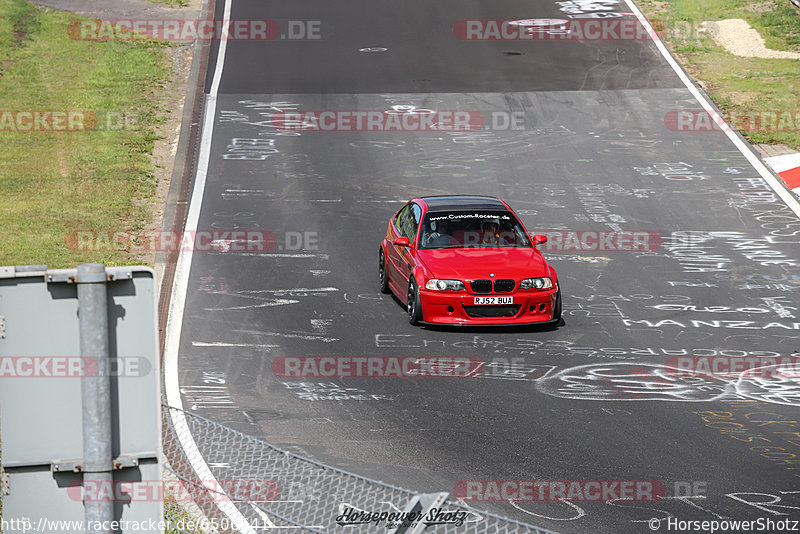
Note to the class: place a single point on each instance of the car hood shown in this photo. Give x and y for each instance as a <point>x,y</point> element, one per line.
<point>479,263</point>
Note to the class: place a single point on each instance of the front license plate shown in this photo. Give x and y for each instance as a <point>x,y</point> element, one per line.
<point>494,300</point>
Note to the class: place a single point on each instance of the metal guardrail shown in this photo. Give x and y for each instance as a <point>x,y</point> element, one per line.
<point>311,494</point>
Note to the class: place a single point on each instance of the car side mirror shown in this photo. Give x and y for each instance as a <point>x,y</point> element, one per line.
<point>402,242</point>
<point>538,239</point>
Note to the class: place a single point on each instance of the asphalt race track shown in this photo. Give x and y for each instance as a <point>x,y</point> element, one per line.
<point>589,400</point>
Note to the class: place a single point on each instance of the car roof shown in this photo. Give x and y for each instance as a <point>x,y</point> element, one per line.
<point>452,203</point>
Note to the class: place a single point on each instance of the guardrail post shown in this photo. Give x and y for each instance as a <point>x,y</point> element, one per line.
<point>96,399</point>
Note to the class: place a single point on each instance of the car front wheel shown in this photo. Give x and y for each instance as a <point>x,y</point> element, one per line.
<point>413,306</point>
<point>557,307</point>
<point>384,275</point>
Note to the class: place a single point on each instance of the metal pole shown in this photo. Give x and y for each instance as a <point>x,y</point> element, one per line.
<point>96,397</point>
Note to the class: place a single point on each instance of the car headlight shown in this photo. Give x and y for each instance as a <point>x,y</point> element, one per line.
<point>536,283</point>
<point>436,284</point>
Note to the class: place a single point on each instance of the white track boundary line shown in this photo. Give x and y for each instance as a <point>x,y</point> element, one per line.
<point>178,299</point>
<point>777,186</point>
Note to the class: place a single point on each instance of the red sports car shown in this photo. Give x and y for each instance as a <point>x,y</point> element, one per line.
<point>467,260</point>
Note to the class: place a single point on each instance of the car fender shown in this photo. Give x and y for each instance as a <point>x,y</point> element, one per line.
<point>421,274</point>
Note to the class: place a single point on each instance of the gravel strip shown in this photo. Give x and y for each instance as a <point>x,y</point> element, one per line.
<point>738,38</point>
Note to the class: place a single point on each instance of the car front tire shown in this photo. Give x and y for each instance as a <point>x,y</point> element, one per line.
<point>413,306</point>
<point>557,307</point>
<point>383,273</point>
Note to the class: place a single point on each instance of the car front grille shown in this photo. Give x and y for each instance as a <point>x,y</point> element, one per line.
<point>481,286</point>
<point>501,310</point>
<point>504,286</point>
<point>485,286</point>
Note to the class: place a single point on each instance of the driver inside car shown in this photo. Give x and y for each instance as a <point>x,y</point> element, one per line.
<point>438,235</point>
<point>491,234</point>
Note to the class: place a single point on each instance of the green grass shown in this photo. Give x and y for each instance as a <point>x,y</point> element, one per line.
<point>737,83</point>
<point>172,3</point>
<point>178,516</point>
<point>18,19</point>
<point>53,183</point>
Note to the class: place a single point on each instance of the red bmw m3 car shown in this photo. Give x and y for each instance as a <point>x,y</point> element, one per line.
<point>467,260</point>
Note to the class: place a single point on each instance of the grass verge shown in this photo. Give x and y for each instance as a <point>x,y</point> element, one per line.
<point>53,183</point>
<point>171,3</point>
<point>179,520</point>
<point>737,84</point>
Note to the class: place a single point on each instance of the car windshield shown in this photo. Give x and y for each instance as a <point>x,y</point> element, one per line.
<point>473,229</point>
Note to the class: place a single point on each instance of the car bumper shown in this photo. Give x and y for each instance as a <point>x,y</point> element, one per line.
<point>529,307</point>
